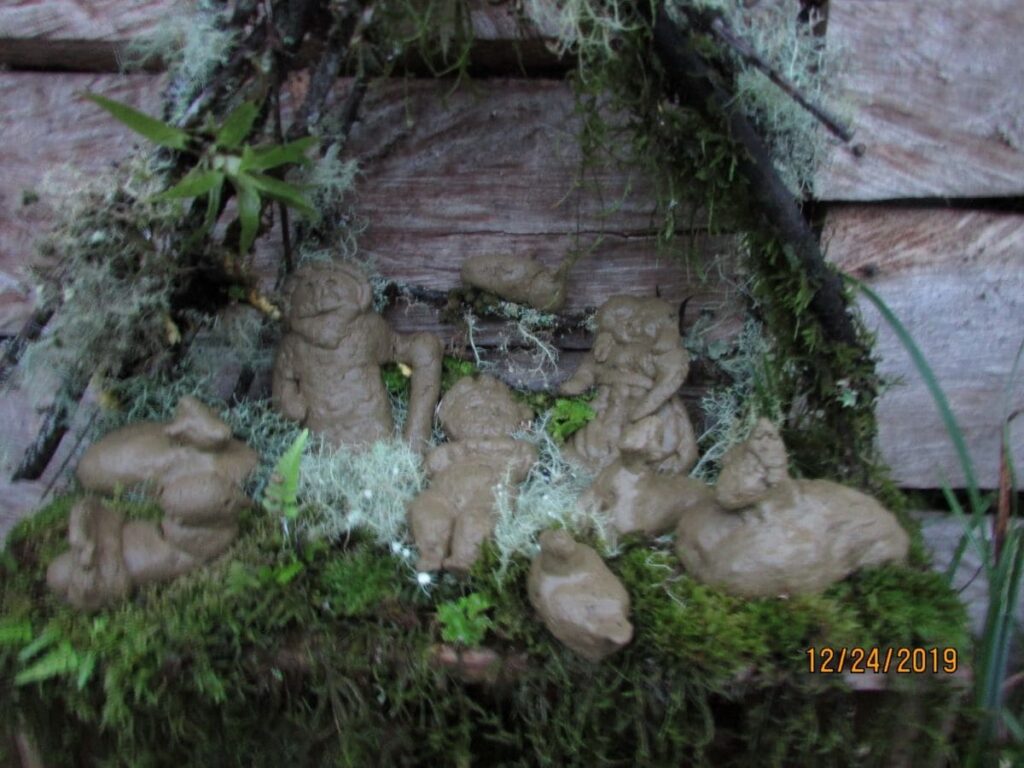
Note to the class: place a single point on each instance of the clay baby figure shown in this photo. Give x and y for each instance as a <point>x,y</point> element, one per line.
<point>522,280</point>
<point>765,534</point>
<point>638,365</point>
<point>327,369</point>
<point>579,599</point>
<point>456,514</point>
<point>192,467</point>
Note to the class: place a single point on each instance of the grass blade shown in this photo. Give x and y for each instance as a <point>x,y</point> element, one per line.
<point>155,130</point>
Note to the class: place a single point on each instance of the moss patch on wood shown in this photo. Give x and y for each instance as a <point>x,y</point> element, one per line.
<point>324,654</point>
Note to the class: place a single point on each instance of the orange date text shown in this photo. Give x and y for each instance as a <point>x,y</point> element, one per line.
<point>900,660</point>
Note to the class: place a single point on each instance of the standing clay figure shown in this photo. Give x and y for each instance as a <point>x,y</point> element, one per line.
<point>327,369</point>
<point>456,514</point>
<point>638,365</point>
<point>579,599</point>
<point>764,534</point>
<point>524,281</point>
<point>194,470</point>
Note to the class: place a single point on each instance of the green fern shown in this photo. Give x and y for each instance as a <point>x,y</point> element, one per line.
<point>464,621</point>
<point>281,495</point>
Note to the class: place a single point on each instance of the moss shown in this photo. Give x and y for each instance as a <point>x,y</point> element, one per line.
<point>329,663</point>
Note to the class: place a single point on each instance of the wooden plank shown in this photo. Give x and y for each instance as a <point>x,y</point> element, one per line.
<point>91,35</point>
<point>53,142</point>
<point>934,88</point>
<point>955,279</point>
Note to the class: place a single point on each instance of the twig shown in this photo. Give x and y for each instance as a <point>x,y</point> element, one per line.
<point>55,425</point>
<point>16,346</point>
<point>691,82</point>
<point>720,29</point>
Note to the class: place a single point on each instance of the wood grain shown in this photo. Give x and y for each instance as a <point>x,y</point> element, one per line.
<point>935,92</point>
<point>90,35</point>
<point>955,279</point>
<point>53,142</point>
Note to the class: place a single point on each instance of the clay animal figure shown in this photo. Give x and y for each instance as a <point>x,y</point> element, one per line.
<point>765,534</point>
<point>192,467</point>
<point>579,599</point>
<point>327,368</point>
<point>634,499</point>
<point>637,365</point>
<point>522,280</point>
<point>456,514</point>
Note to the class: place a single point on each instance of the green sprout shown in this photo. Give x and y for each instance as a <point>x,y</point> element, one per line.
<point>281,495</point>
<point>464,621</point>
<point>224,159</point>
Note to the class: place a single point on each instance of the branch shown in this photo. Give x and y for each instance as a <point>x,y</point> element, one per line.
<point>690,80</point>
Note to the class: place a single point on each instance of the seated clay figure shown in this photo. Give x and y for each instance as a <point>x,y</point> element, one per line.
<point>522,280</point>
<point>327,368</point>
<point>637,365</point>
<point>764,534</point>
<point>456,514</point>
<point>579,599</point>
<point>192,467</point>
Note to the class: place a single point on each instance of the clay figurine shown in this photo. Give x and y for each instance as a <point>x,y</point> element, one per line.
<point>327,369</point>
<point>579,599</point>
<point>638,365</point>
<point>456,514</point>
<point>765,534</point>
<point>192,467</point>
<point>522,280</point>
<point>631,498</point>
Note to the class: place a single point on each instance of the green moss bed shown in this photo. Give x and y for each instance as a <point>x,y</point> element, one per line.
<point>327,656</point>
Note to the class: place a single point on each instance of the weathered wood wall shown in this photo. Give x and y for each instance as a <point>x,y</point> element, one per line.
<point>932,87</point>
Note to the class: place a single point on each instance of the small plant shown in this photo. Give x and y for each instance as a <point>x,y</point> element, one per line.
<point>223,158</point>
<point>465,621</point>
<point>47,655</point>
<point>281,495</point>
<point>567,417</point>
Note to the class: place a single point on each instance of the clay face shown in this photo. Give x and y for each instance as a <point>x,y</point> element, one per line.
<point>637,365</point>
<point>579,599</point>
<point>193,468</point>
<point>765,534</point>
<point>327,369</point>
<point>522,280</point>
<point>455,515</point>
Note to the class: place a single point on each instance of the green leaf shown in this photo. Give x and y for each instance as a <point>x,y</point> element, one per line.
<point>59,661</point>
<point>237,125</point>
<point>15,631</point>
<point>193,184</point>
<point>248,212</point>
<point>265,158</point>
<point>281,496</point>
<point>85,669</point>
<point>48,638</point>
<point>155,130</point>
<point>283,191</point>
<point>463,621</point>
<point>286,573</point>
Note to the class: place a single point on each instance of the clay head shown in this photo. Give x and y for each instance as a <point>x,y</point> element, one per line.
<point>481,407</point>
<point>197,425</point>
<point>324,297</point>
<point>752,468</point>
<point>631,318</point>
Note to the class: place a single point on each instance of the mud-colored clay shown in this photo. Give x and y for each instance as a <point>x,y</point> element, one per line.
<point>327,368</point>
<point>456,514</point>
<point>637,365</point>
<point>633,499</point>
<point>522,280</point>
<point>194,470</point>
<point>580,601</point>
<point>790,537</point>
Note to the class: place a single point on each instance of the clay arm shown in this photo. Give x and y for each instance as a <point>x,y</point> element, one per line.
<point>287,395</point>
<point>583,379</point>
<point>424,354</point>
<point>671,367</point>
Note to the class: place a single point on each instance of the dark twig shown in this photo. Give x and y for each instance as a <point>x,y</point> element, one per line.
<point>691,82</point>
<point>721,30</point>
<point>16,346</point>
<point>55,424</point>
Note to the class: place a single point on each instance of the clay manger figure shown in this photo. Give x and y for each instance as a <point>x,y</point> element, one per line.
<point>192,467</point>
<point>765,534</point>
<point>327,368</point>
<point>521,280</point>
<point>456,514</point>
